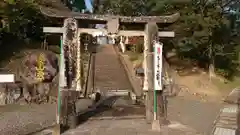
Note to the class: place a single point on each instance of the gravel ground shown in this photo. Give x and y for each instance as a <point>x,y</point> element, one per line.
<point>25,119</point>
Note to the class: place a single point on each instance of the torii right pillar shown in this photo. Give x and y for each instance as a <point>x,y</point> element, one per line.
<point>155,115</point>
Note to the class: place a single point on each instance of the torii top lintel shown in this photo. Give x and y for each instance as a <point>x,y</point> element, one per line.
<point>62,12</point>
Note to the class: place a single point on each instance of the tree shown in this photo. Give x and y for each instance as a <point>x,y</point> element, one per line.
<point>21,18</point>
<point>211,37</point>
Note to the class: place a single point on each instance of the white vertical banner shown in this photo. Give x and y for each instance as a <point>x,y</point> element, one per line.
<point>158,48</point>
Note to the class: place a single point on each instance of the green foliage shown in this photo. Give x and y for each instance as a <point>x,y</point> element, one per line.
<point>140,46</point>
<point>133,56</point>
<point>207,36</point>
<point>134,7</point>
<point>22,19</point>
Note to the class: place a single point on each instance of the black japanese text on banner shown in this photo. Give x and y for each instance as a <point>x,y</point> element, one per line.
<point>158,65</point>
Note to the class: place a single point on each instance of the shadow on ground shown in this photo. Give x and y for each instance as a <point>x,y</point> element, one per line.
<point>94,110</point>
<point>99,108</point>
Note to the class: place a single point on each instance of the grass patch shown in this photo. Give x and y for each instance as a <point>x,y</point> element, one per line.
<point>133,56</point>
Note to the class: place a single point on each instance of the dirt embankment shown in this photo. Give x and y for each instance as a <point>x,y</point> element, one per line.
<point>192,81</point>
<point>195,81</point>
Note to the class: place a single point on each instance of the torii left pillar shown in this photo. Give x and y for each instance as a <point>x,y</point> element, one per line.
<point>75,43</point>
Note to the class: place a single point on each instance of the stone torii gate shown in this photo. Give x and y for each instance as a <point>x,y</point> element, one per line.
<point>71,41</point>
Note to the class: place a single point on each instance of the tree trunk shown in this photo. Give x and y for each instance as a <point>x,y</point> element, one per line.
<point>211,68</point>
<point>211,71</point>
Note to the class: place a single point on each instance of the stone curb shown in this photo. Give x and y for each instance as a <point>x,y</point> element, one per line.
<point>233,97</point>
<point>227,122</point>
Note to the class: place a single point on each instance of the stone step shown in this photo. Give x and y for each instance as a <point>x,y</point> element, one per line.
<point>227,123</point>
<point>109,73</point>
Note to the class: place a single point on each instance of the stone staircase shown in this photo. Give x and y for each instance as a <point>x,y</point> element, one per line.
<point>109,72</point>
<point>111,80</point>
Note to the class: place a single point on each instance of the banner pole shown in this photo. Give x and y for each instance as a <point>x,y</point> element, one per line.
<point>59,94</point>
